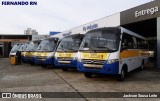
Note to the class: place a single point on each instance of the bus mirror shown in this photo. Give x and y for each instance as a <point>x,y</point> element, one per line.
<point>124,46</point>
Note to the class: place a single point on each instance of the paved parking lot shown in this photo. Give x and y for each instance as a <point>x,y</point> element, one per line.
<point>29,78</point>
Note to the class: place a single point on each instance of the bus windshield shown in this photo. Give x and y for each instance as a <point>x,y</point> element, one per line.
<point>47,45</point>
<point>32,46</point>
<point>15,48</point>
<point>107,40</point>
<point>23,47</point>
<point>70,43</point>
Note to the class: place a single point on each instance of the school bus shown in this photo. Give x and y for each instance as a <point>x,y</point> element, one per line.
<point>66,53</point>
<point>44,54</point>
<point>111,50</point>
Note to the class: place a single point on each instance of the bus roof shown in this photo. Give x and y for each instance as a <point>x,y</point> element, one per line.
<point>122,30</point>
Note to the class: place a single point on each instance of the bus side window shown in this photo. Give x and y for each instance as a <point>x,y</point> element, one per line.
<point>142,44</point>
<point>134,43</point>
<point>127,42</point>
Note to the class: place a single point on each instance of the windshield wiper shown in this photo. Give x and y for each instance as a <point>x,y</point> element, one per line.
<point>92,49</point>
<point>103,47</point>
<point>72,49</point>
<point>63,49</point>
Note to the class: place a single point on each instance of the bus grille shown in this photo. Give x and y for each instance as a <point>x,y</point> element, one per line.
<point>64,60</point>
<point>41,57</point>
<point>29,58</point>
<point>93,63</point>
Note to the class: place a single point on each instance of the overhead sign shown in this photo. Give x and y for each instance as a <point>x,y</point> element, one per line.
<point>151,11</point>
<point>143,12</point>
<point>90,27</point>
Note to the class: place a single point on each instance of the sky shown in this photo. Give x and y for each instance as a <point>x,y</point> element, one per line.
<point>58,15</point>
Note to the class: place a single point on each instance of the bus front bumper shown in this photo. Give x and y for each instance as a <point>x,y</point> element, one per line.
<point>72,64</point>
<point>44,61</point>
<point>112,69</point>
<point>23,59</point>
<point>30,59</point>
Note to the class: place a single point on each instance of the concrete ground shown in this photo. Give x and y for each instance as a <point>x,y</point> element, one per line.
<point>30,78</point>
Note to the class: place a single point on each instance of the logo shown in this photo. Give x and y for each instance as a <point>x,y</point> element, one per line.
<point>19,3</point>
<point>21,95</point>
<point>150,11</point>
<point>90,27</point>
<point>6,95</point>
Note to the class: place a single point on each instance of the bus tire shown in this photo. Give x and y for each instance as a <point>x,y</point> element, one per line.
<point>64,69</point>
<point>32,63</point>
<point>122,76</point>
<point>43,66</point>
<point>88,75</point>
<point>142,66</point>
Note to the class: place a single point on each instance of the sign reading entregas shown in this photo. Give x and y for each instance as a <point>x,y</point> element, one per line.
<point>147,11</point>
<point>140,13</point>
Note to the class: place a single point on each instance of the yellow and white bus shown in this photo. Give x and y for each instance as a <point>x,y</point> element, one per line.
<point>44,54</point>
<point>66,53</point>
<point>111,50</point>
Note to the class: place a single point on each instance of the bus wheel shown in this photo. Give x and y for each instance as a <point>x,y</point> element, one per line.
<point>142,67</point>
<point>32,63</point>
<point>43,66</point>
<point>88,75</point>
<point>64,69</point>
<point>121,76</point>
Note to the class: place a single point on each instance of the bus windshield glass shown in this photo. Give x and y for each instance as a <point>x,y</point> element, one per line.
<point>23,47</point>
<point>15,48</point>
<point>107,40</point>
<point>47,45</point>
<point>32,46</point>
<point>69,43</point>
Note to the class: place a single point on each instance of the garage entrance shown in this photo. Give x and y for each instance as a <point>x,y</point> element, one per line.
<point>145,20</point>
<point>148,29</point>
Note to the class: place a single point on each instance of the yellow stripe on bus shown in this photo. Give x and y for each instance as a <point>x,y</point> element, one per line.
<point>132,53</point>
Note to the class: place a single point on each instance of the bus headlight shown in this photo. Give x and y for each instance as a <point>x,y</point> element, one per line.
<point>112,61</point>
<point>56,56</point>
<point>74,58</point>
<point>50,55</point>
<point>79,59</point>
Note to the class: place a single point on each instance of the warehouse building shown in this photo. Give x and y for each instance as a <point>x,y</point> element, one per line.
<point>143,19</point>
<point>8,41</point>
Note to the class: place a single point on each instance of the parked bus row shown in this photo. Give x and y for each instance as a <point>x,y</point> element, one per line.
<point>111,50</point>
